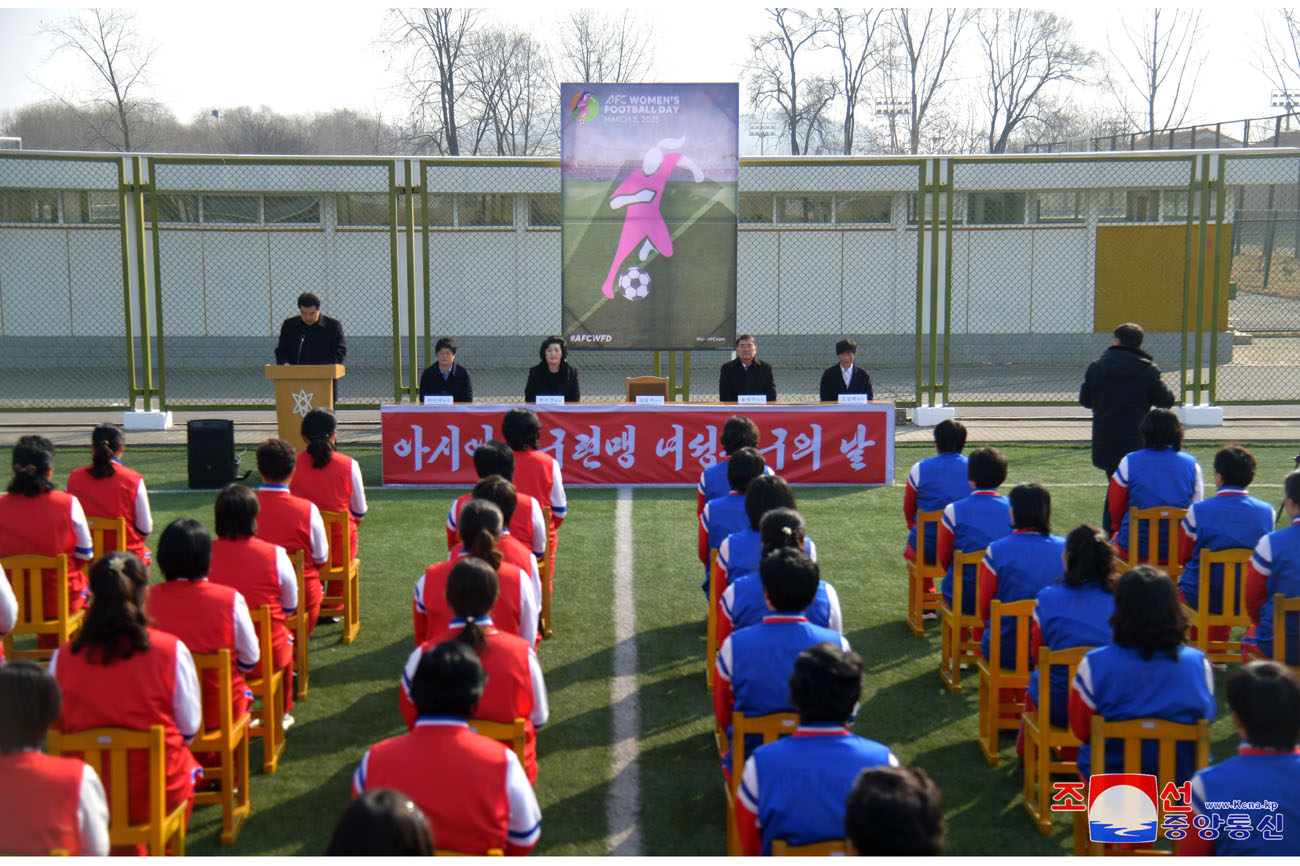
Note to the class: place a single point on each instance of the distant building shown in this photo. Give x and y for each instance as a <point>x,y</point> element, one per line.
<point>10,142</point>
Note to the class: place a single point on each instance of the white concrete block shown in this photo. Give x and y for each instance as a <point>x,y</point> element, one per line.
<point>1203,415</point>
<point>929,416</point>
<point>152,420</point>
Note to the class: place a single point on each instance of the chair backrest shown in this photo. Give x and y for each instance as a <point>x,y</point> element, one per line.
<point>650,386</point>
<point>262,622</point>
<point>514,734</point>
<point>447,852</point>
<point>829,848</point>
<point>770,726</point>
<point>338,529</point>
<point>711,621</point>
<point>299,560</point>
<point>1162,519</point>
<point>218,665</point>
<point>25,579</point>
<point>1286,650</point>
<point>1023,612</point>
<point>99,529</point>
<point>1047,659</point>
<point>1167,735</point>
<point>927,526</point>
<point>105,750</point>
<point>961,559</point>
<point>1235,561</point>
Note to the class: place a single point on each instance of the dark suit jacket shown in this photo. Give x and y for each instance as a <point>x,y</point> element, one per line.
<point>832,385</point>
<point>456,384</point>
<point>734,380</point>
<point>321,343</point>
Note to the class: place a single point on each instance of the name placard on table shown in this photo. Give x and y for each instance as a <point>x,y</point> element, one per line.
<point>550,399</point>
<point>438,400</point>
<point>854,398</point>
<point>626,443</point>
<point>650,399</point>
<point>751,398</point>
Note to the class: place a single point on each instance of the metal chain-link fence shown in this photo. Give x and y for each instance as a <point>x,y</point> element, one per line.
<point>969,280</point>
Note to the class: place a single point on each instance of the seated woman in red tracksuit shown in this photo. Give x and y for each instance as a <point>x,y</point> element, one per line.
<point>106,488</point>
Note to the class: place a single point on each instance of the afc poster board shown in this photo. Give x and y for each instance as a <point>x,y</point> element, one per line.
<point>621,443</point>
<point>649,200</point>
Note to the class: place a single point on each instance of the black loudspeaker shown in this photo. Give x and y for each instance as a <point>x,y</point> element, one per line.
<point>211,444</point>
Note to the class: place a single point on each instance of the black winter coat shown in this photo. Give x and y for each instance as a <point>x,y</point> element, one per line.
<point>1120,388</point>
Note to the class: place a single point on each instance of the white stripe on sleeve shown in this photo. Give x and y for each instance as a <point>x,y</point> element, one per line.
<point>748,793</point>
<point>288,579</point>
<point>320,540</point>
<point>81,529</point>
<point>559,505</point>
<point>529,610</point>
<point>525,814</point>
<point>541,704</point>
<point>1199,493</point>
<point>408,670</point>
<point>836,620</point>
<point>248,651</point>
<point>8,604</point>
<point>1083,683</point>
<point>187,708</point>
<point>143,514</point>
<point>358,501</point>
<point>539,530</point>
<point>92,815</point>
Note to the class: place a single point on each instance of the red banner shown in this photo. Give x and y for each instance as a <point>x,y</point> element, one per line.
<point>638,444</point>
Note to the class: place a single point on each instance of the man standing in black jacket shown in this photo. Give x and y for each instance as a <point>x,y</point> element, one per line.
<point>745,374</point>
<point>1120,388</point>
<point>309,337</point>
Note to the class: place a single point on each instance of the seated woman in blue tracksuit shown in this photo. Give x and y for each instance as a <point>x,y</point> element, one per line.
<point>1160,474</point>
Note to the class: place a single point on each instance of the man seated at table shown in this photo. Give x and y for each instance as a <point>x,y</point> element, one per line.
<point>845,377</point>
<point>745,374</point>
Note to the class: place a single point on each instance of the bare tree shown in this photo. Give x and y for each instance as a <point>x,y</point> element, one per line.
<point>1026,51</point>
<point>512,94</point>
<point>858,39</point>
<point>246,130</point>
<point>1161,50</point>
<point>775,78</point>
<point>1282,45</point>
<point>924,39</point>
<point>437,44</point>
<point>109,42</point>
<point>600,47</point>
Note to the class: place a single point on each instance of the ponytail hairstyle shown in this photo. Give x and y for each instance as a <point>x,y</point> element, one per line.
<point>33,460</point>
<point>116,626</point>
<point>781,527</point>
<point>105,441</point>
<point>1089,558</point>
<point>317,428</point>
<point>472,588</point>
<point>480,527</point>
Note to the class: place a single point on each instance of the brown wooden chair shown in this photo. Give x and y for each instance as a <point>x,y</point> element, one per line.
<point>649,386</point>
<point>229,739</point>
<point>1154,519</point>
<point>514,734</point>
<point>267,685</point>
<point>299,622</point>
<point>920,601</point>
<point>544,570</point>
<point>1230,599</point>
<point>25,577</point>
<point>345,569</point>
<point>995,714</point>
<point>770,727</point>
<point>956,629</point>
<point>1285,649</point>
<point>105,750</point>
<point>1043,739</point>
<point>100,527</point>
<point>1132,734</point>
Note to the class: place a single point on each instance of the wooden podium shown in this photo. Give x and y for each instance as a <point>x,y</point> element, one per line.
<point>299,388</point>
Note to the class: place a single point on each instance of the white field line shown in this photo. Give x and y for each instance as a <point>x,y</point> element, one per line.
<point>623,806</point>
<point>377,487</point>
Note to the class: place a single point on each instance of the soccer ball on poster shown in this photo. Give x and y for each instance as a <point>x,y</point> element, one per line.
<point>634,283</point>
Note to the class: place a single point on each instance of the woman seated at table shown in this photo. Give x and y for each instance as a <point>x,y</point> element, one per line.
<point>554,376</point>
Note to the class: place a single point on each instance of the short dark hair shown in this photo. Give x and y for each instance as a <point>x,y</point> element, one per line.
<point>558,340</point>
<point>826,684</point>
<point>765,493</point>
<point>781,527</point>
<point>382,822</point>
<point>521,429</point>
<point>1148,615</point>
<point>846,345</point>
<point>445,343</point>
<point>309,299</point>
<point>739,432</point>
<point>789,578</point>
<point>1031,507</point>
<point>1130,335</point>
<point>743,467</point>
<point>500,493</point>
<point>494,457</point>
<point>1089,558</point>
<point>1291,486</point>
<point>1161,429</point>
<point>236,511</point>
<point>448,681</point>
<point>184,550</point>
<point>949,436</point>
<point>987,467</point>
<point>743,337</point>
<point>892,811</point>
<point>31,701</point>
<point>1265,696</point>
<point>1235,464</point>
<point>276,460</point>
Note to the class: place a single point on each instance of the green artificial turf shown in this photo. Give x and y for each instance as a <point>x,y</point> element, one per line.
<point>860,536</point>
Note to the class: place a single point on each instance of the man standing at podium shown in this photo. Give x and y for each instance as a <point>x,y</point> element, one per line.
<point>309,337</point>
